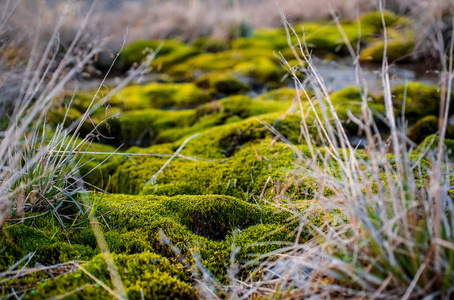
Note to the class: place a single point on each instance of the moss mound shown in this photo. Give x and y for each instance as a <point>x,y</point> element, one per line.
<point>160,95</point>
<point>420,100</point>
<point>398,49</point>
<point>264,70</point>
<point>168,52</point>
<point>426,127</point>
<point>243,175</point>
<point>431,143</point>
<point>145,275</point>
<point>375,19</point>
<point>212,45</point>
<point>218,83</point>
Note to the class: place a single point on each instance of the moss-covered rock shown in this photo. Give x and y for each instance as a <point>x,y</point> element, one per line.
<point>138,50</point>
<point>349,101</point>
<point>160,95</point>
<point>266,71</point>
<point>245,107</point>
<point>425,127</point>
<point>251,43</point>
<point>398,49</point>
<point>399,44</point>
<point>146,275</point>
<point>19,240</point>
<point>431,143</point>
<point>221,83</point>
<point>420,100</point>
<point>212,45</point>
<point>225,60</point>
<point>243,175</point>
<point>280,94</point>
<point>276,37</point>
<point>375,19</point>
<point>225,111</point>
<point>163,62</point>
<point>144,127</point>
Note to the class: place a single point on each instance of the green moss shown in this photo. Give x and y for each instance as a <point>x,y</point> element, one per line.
<point>431,143</point>
<point>396,50</point>
<point>221,83</point>
<point>225,111</point>
<point>146,274</point>
<point>212,45</point>
<point>272,36</point>
<point>129,242</point>
<point>319,36</point>
<point>19,240</point>
<point>420,100</point>
<point>261,239</point>
<point>225,140</point>
<point>243,175</point>
<point>98,165</point>
<point>400,44</point>
<point>164,62</point>
<point>245,107</point>
<point>375,21</point>
<point>209,216</point>
<point>225,60</point>
<point>142,127</point>
<point>348,101</point>
<point>181,72</point>
<point>213,216</point>
<point>326,37</point>
<point>160,95</point>
<point>251,43</point>
<point>264,70</point>
<point>60,252</point>
<point>349,93</point>
<point>281,94</point>
<point>423,128</point>
<point>138,50</point>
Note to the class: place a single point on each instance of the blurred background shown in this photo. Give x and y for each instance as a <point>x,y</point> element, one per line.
<point>184,19</point>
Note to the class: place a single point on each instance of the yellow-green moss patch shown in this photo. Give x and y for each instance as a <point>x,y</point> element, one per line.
<point>221,83</point>
<point>160,95</point>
